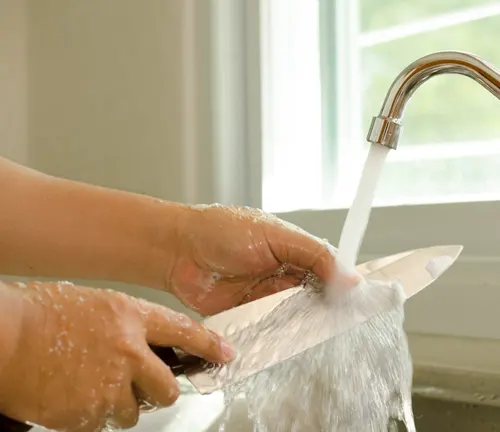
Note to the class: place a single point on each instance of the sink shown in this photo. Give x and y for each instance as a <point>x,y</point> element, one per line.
<point>435,415</point>
<point>444,399</point>
<point>192,413</point>
<point>458,400</point>
<point>196,413</point>
<point>202,414</point>
<point>432,414</point>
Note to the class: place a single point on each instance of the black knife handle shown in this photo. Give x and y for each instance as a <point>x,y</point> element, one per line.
<point>179,366</point>
<point>8,425</point>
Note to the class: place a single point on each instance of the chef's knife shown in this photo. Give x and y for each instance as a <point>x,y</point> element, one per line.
<point>415,270</point>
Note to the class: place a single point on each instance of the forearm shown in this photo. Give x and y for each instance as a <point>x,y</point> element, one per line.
<point>59,228</point>
<point>11,311</point>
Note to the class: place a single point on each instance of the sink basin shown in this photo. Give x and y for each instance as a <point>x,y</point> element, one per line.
<point>432,414</point>
<point>435,415</point>
<point>458,400</point>
<point>443,400</point>
<point>194,413</point>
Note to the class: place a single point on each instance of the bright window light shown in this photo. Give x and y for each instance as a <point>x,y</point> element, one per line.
<point>327,67</point>
<point>292,105</point>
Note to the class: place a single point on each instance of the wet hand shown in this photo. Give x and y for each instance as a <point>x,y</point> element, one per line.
<point>227,256</point>
<point>81,357</point>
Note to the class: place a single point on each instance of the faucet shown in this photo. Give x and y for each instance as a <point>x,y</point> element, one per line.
<point>385,128</point>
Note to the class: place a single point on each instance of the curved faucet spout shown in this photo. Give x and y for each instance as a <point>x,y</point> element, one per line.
<point>385,129</point>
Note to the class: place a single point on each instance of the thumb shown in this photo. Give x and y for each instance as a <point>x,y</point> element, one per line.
<point>292,245</point>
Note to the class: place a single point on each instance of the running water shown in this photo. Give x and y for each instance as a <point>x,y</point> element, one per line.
<point>359,380</point>
<point>357,218</point>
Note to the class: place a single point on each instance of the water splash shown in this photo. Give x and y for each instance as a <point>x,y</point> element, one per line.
<point>360,379</point>
<point>357,381</point>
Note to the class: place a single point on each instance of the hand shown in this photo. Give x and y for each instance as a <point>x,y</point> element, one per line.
<point>230,255</point>
<point>82,357</point>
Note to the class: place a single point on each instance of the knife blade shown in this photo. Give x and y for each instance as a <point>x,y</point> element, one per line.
<point>415,270</point>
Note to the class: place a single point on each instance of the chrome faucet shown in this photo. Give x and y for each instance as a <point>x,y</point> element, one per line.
<point>385,129</point>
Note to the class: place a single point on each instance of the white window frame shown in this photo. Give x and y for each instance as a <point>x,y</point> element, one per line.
<point>464,302</point>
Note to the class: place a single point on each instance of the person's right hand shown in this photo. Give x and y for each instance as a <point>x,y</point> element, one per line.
<point>81,359</point>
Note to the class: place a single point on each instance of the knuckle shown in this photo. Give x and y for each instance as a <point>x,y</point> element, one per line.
<point>133,420</point>
<point>134,352</point>
<point>173,393</point>
<point>167,397</point>
<point>129,417</point>
<point>182,320</point>
<point>120,303</point>
<point>212,346</point>
<point>130,349</point>
<point>321,252</point>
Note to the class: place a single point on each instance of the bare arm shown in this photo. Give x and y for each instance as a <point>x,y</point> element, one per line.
<point>11,312</point>
<point>59,228</point>
<point>211,257</point>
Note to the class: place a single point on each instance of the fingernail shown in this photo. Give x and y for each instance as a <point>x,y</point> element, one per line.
<point>227,350</point>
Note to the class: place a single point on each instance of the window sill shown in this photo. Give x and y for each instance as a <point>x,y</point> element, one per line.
<point>464,301</point>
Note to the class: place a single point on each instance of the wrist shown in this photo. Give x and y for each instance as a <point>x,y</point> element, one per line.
<point>161,249</point>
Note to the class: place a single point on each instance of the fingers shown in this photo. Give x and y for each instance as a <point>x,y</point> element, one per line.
<point>289,244</point>
<point>153,380</point>
<point>168,328</point>
<point>126,412</point>
<point>155,383</point>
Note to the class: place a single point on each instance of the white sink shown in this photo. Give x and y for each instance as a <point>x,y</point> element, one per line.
<point>196,413</point>
<point>193,413</point>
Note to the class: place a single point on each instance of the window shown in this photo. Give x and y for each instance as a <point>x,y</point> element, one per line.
<point>292,86</point>
<point>328,67</point>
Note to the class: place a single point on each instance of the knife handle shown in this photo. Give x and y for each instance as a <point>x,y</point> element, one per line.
<point>179,366</point>
<point>8,425</point>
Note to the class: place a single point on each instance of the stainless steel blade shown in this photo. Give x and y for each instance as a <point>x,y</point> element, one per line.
<point>414,269</point>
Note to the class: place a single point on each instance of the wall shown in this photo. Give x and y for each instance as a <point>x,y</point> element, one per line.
<point>112,95</point>
<point>127,94</point>
<point>13,80</point>
<point>119,91</point>
<point>105,102</point>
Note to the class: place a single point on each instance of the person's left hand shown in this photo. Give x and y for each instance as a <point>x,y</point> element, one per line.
<point>226,256</point>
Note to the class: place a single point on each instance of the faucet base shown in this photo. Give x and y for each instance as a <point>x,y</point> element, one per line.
<point>385,131</point>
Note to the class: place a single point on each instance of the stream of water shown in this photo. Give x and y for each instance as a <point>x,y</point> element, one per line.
<point>357,381</point>
<point>357,218</point>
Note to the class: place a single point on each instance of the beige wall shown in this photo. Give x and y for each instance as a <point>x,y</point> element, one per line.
<point>105,103</point>
<point>13,80</point>
<point>106,98</point>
